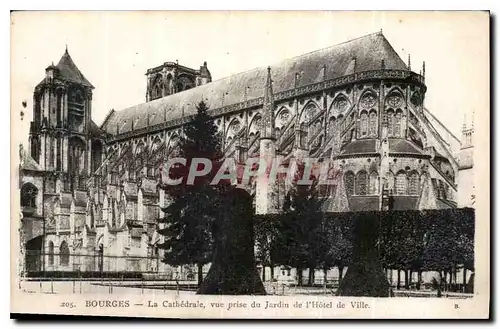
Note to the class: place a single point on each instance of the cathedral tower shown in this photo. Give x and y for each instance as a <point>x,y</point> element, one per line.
<point>170,78</point>
<point>59,132</point>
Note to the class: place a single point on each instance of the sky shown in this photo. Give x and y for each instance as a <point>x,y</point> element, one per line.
<point>114,49</point>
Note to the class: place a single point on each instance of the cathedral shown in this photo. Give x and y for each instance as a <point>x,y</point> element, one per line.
<point>90,195</point>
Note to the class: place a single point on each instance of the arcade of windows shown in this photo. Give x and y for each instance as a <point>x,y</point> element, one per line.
<point>63,253</point>
<point>364,184</point>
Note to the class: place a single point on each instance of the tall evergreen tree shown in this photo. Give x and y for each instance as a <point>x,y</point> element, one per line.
<point>189,216</point>
<point>300,228</point>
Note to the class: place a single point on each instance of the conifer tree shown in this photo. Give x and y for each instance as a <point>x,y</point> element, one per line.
<point>300,227</point>
<point>189,216</point>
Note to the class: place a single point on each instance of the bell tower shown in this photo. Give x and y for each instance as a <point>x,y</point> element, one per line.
<point>170,78</point>
<point>59,133</point>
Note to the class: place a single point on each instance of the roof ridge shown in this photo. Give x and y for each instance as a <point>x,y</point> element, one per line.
<point>263,67</point>
<point>301,55</point>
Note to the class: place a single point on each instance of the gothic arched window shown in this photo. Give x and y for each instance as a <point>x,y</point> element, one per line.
<point>349,182</point>
<point>413,183</point>
<point>373,188</point>
<point>51,253</point>
<point>401,183</point>
<point>373,123</point>
<point>364,124</point>
<point>157,87</point>
<point>28,195</point>
<point>389,182</point>
<point>64,253</point>
<point>361,181</point>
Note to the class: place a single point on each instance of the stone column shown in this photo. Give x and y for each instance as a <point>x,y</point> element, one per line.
<point>42,151</point>
<point>64,152</point>
<point>88,163</point>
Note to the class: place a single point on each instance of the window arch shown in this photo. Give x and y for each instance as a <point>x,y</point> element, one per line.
<point>413,183</point>
<point>372,123</point>
<point>374,182</point>
<point>364,124</point>
<point>349,182</point>
<point>157,87</point>
<point>51,253</point>
<point>28,195</point>
<point>389,182</point>
<point>401,183</point>
<point>361,183</point>
<point>64,253</point>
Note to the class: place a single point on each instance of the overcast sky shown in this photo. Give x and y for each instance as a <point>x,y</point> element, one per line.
<point>114,49</point>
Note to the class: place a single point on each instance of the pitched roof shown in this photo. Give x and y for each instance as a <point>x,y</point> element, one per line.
<point>361,146</point>
<point>94,130</point>
<point>27,162</point>
<point>402,146</point>
<point>368,50</point>
<point>69,71</point>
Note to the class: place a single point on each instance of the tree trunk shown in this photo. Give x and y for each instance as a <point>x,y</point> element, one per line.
<point>464,279</point>
<point>200,274</point>
<point>299,276</point>
<point>325,277</point>
<point>233,270</point>
<point>310,279</point>
<point>419,279</point>
<point>263,273</point>
<point>410,279</point>
<point>439,284</point>
<point>406,279</point>
<point>341,272</point>
<point>365,276</point>
<point>398,285</point>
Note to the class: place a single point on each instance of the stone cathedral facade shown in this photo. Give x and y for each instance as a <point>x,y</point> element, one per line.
<point>89,193</point>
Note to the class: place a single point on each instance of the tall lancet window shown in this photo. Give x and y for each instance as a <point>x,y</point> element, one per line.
<point>401,183</point>
<point>413,183</point>
<point>364,124</point>
<point>64,253</point>
<point>361,181</point>
<point>397,123</point>
<point>349,182</point>
<point>390,122</point>
<point>374,182</point>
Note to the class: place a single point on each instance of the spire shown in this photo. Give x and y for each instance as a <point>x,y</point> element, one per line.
<point>70,72</point>
<point>268,108</point>
<point>423,69</point>
<point>66,52</point>
<point>409,63</point>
